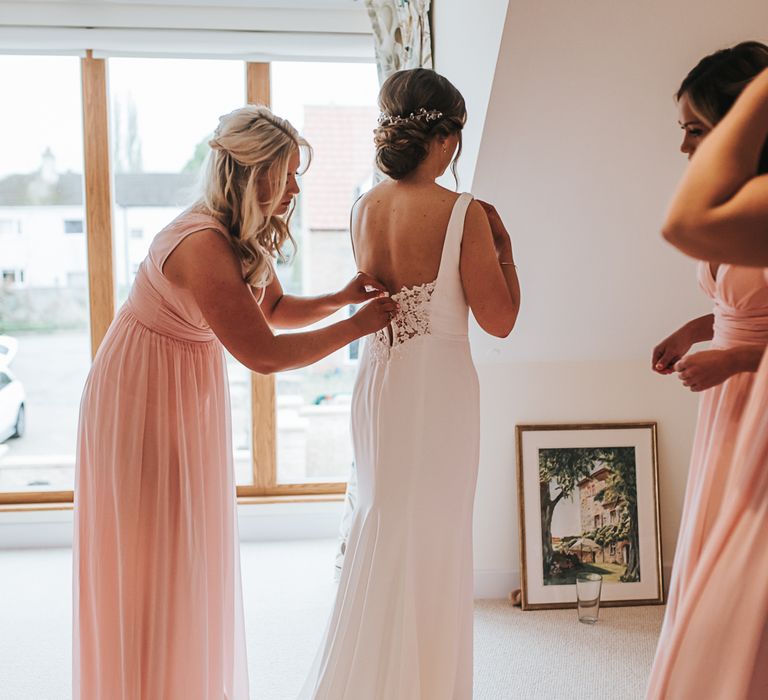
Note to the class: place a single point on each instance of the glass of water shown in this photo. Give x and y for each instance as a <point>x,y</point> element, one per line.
<point>588,587</point>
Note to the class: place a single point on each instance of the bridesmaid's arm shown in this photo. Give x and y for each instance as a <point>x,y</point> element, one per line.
<point>720,211</point>
<point>205,264</point>
<point>670,350</point>
<point>746,358</point>
<point>288,311</point>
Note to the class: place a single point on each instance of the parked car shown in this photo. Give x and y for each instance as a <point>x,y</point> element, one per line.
<point>8,348</point>
<point>12,396</point>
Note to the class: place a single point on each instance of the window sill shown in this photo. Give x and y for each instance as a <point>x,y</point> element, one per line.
<point>260,518</point>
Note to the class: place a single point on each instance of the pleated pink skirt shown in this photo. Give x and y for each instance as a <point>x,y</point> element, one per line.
<point>157,596</point>
<point>718,647</point>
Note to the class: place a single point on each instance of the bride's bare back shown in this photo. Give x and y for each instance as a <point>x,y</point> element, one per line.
<point>398,230</point>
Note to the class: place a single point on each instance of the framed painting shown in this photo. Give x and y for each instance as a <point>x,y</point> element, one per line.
<point>588,501</point>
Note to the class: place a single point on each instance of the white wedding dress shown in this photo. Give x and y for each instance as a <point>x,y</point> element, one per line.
<point>401,627</point>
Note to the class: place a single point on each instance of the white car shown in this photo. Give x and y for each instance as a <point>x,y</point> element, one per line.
<point>12,411</point>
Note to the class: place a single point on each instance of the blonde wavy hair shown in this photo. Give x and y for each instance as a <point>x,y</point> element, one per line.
<point>250,152</point>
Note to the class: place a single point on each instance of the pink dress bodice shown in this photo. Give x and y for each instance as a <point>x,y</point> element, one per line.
<point>154,300</point>
<point>740,295</point>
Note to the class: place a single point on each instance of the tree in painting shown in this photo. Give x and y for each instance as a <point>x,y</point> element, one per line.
<point>560,472</point>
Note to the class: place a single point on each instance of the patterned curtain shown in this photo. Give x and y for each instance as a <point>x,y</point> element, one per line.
<point>401,34</point>
<point>402,39</point>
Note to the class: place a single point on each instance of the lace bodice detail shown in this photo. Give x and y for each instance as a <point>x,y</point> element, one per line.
<point>411,321</point>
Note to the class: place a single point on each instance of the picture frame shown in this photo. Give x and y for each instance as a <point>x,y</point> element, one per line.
<point>588,500</point>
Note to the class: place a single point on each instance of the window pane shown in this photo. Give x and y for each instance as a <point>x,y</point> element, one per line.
<point>161,122</point>
<point>43,292</point>
<point>334,106</point>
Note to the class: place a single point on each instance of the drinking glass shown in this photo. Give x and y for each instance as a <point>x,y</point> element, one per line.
<point>588,587</point>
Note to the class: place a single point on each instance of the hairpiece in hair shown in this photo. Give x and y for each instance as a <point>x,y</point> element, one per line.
<point>427,115</point>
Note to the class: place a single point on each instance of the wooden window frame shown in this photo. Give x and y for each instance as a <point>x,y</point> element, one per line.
<point>98,213</point>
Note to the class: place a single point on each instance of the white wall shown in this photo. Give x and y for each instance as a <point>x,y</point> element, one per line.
<point>579,153</point>
<point>466,38</point>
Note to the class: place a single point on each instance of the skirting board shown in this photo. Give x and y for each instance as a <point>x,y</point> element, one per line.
<point>497,583</point>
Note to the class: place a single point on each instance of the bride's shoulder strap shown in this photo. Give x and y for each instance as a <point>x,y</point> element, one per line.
<point>458,215</point>
<point>455,232</point>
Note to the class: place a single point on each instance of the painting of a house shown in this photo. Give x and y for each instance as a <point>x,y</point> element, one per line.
<point>588,513</point>
<point>598,513</point>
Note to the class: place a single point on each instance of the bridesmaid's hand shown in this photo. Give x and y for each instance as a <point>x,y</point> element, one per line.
<point>375,315</point>
<point>669,351</point>
<point>703,370</point>
<point>360,288</point>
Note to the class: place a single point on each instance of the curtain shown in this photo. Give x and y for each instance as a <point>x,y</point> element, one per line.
<point>401,34</point>
<point>402,40</point>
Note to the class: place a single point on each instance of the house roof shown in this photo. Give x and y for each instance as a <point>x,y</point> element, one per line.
<point>599,475</point>
<point>342,140</point>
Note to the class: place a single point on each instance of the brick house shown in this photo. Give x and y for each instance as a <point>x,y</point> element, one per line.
<point>596,513</point>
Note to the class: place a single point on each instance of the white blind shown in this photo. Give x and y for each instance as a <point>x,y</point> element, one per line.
<point>244,45</point>
<point>321,30</point>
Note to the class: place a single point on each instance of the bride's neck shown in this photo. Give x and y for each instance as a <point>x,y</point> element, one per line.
<point>425,174</point>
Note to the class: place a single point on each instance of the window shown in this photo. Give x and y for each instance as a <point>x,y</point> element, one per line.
<point>10,226</point>
<point>334,106</point>
<point>60,307</point>
<point>353,349</point>
<point>41,186</point>
<point>597,521</point>
<point>73,226</point>
<point>77,279</point>
<point>5,380</point>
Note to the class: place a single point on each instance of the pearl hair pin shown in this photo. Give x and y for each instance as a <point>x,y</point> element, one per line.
<point>427,115</point>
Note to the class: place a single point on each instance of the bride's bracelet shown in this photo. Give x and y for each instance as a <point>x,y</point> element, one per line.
<point>502,262</point>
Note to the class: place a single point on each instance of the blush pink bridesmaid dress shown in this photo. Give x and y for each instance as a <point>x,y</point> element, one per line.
<point>157,598</point>
<point>712,644</point>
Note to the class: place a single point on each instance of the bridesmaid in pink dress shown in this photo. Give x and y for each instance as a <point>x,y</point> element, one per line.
<point>738,329</point>
<point>718,646</point>
<point>157,599</point>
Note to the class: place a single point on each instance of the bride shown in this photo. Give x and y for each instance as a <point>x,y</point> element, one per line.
<point>401,627</point>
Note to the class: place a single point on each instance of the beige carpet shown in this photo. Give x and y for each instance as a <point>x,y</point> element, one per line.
<point>548,654</point>
<point>288,589</point>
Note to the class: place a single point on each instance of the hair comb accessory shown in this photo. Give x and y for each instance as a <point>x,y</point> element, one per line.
<point>421,113</point>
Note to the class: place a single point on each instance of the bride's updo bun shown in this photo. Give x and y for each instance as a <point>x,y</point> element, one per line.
<point>416,106</point>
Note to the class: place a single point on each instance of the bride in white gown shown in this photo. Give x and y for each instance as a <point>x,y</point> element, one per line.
<point>401,627</point>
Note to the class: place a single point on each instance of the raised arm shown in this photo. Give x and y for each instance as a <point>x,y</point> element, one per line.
<point>488,273</point>
<point>205,264</point>
<point>720,210</point>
